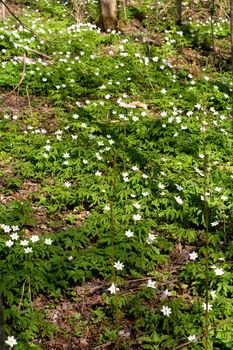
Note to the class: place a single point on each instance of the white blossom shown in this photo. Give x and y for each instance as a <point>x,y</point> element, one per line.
<point>166,310</point>
<point>118,265</point>
<point>129,233</point>
<point>179,200</point>
<point>219,271</point>
<point>151,284</point>
<point>193,256</point>
<point>207,307</point>
<point>48,241</point>
<point>113,289</point>
<point>192,338</point>
<point>11,341</point>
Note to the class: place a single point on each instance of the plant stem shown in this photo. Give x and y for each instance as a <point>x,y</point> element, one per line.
<point>206,219</point>
<point>212,12</point>
<point>125,146</point>
<point>113,258</point>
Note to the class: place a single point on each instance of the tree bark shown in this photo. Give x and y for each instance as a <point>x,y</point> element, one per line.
<point>108,14</point>
<point>179,11</point>
<point>3,11</point>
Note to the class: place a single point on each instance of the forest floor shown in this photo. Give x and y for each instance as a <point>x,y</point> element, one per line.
<point>116,172</point>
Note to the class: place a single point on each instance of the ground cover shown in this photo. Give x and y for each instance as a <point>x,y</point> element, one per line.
<point>116,181</point>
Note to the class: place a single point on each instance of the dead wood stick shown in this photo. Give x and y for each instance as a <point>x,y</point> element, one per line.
<point>36,52</point>
<point>21,79</point>
<point>102,346</point>
<point>22,76</point>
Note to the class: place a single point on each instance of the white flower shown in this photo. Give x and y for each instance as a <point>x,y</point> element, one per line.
<point>47,148</point>
<point>150,239</point>
<point>219,271</point>
<point>98,173</point>
<point>192,338</point>
<point>70,258</point>
<point>178,199</point>
<point>163,91</point>
<point>215,223</point>
<point>166,294</point>
<point>66,155</point>
<point>118,265</point>
<point>75,116</point>
<point>193,256</point>
<point>224,198</point>
<point>9,243</point>
<point>161,186</point>
<point>125,174</point>
<point>166,310</point>
<point>125,179</point>
<point>15,228</point>
<point>155,59</point>
<point>129,233</point>
<point>151,284</point>
<point>137,205</point>
<point>14,236</point>
<point>67,184</point>
<point>213,293</point>
<point>207,306</point>
<point>28,250</point>
<point>24,243</point>
<point>107,207</point>
<point>145,194</point>
<point>179,188</point>
<point>11,341</point>
<point>6,228</point>
<point>218,189</point>
<point>85,161</point>
<point>113,289</point>
<point>137,217</point>
<point>34,238</point>
<point>145,176</point>
<point>135,168</point>
<point>48,241</point>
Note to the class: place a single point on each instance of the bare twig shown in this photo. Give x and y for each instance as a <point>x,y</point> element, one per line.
<point>104,346</point>
<point>29,100</point>
<point>21,79</point>
<point>17,19</point>
<point>22,76</point>
<point>36,52</point>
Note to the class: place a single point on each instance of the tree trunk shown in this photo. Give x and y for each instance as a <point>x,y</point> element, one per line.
<point>108,14</point>
<point>3,11</point>
<point>179,11</point>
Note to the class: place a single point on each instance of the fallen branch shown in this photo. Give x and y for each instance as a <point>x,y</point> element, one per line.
<point>36,52</point>
<point>102,346</point>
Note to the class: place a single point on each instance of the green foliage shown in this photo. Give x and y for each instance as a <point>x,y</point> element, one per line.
<point>130,166</point>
